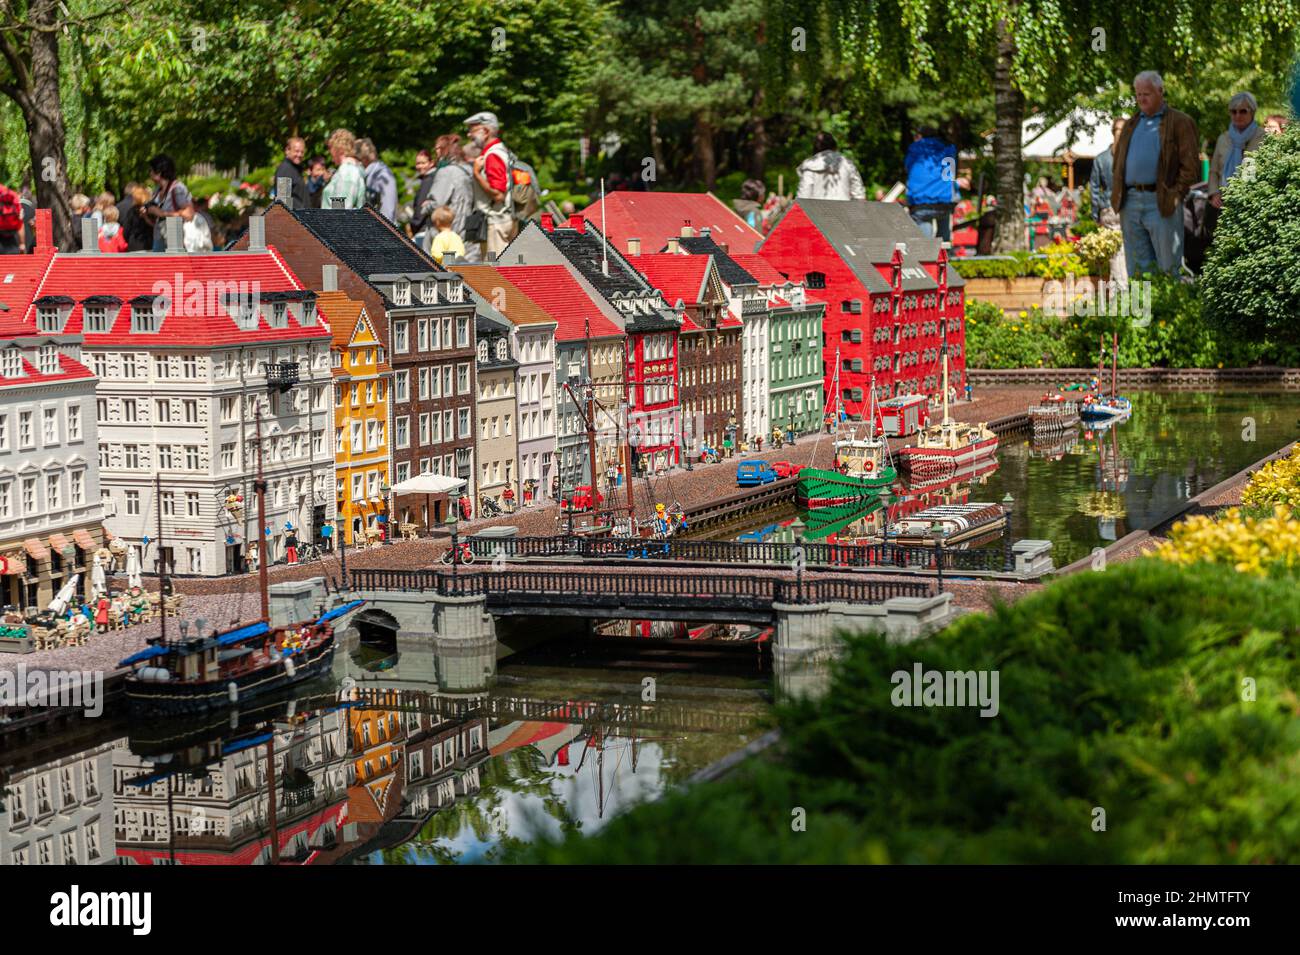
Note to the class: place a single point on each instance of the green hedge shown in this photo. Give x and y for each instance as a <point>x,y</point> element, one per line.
<point>1054,262</point>
<point>1120,690</point>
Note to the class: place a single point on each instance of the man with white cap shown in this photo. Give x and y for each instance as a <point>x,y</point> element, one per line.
<point>491,185</point>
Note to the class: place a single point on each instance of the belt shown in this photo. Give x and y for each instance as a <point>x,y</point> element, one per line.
<point>1143,187</point>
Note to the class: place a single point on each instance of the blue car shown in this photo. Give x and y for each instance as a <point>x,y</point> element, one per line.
<point>754,473</point>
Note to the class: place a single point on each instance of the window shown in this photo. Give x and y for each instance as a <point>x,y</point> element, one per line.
<point>131,455</point>
<point>196,559</point>
<point>191,457</point>
<point>401,337</point>
<point>447,372</point>
<point>47,319</point>
<point>228,456</point>
<point>4,432</point>
<point>189,366</point>
<point>424,382</point>
<point>25,429</point>
<point>29,496</point>
<point>356,444</point>
<point>372,435</point>
<point>462,333</point>
<point>448,426</point>
<point>462,378</point>
<point>163,411</point>
<point>161,367</point>
<point>424,429</point>
<point>463,421</point>
<point>168,504</point>
<point>435,429</point>
<point>130,366</point>
<point>401,431</point>
<point>403,471</point>
<point>49,426</point>
<point>191,407</point>
<point>165,462</point>
<point>133,502</point>
<point>402,293</point>
<point>130,410</point>
<point>99,364</point>
<point>483,352</point>
<point>446,334</point>
<point>48,359</point>
<point>13,363</point>
<point>96,319</point>
<point>318,441</point>
<point>103,456</point>
<point>191,504</point>
<point>402,385</point>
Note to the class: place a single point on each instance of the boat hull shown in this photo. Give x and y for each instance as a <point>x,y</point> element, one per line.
<point>818,487</point>
<point>930,460</point>
<point>176,698</point>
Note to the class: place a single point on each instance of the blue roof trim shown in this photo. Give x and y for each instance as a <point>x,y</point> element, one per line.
<point>243,633</point>
<point>340,611</point>
<point>148,653</point>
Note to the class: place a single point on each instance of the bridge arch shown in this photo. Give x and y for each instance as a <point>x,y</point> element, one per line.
<point>377,628</point>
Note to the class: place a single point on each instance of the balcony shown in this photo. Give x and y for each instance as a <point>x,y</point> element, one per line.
<point>281,375</point>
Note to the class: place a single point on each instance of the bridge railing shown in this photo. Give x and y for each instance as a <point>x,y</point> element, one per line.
<point>718,590</point>
<point>816,554</point>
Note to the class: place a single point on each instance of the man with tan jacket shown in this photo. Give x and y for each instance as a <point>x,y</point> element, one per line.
<point>1157,160</point>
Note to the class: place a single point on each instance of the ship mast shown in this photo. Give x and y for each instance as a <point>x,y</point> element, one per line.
<point>943,324</point>
<point>259,486</point>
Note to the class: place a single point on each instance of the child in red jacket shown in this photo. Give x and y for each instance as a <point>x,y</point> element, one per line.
<point>111,237</point>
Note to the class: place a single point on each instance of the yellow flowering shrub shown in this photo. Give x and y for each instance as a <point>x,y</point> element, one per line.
<point>1277,482</point>
<point>1248,544</point>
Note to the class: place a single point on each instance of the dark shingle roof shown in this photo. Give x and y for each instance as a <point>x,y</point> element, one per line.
<point>587,253</point>
<point>731,273</point>
<point>366,241</point>
<point>865,233</point>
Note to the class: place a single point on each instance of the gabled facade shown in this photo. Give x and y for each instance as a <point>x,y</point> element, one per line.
<point>425,322</point>
<point>882,314</point>
<point>362,379</point>
<point>709,364</point>
<point>533,346</point>
<point>652,407</point>
<point>187,348</point>
<point>498,412</point>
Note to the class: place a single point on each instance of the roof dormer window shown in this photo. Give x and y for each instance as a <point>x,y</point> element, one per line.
<point>502,349</point>
<point>47,319</point>
<point>308,313</point>
<point>48,360</point>
<point>147,314</point>
<point>279,315</point>
<point>483,351</point>
<point>402,293</point>
<point>246,313</point>
<point>429,292</point>
<point>96,318</point>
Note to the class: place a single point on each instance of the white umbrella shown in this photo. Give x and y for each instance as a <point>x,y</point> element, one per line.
<point>66,593</point>
<point>98,579</point>
<point>133,569</point>
<point>428,484</point>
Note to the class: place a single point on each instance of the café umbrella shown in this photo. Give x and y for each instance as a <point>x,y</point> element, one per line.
<point>66,593</point>
<point>98,579</point>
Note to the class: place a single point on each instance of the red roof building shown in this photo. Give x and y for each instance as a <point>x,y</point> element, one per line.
<point>187,348</point>
<point>655,217</point>
<point>883,317</point>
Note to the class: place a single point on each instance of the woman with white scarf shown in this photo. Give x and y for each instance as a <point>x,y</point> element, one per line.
<point>1242,136</point>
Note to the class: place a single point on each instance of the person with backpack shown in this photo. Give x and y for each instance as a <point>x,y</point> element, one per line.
<point>453,186</point>
<point>828,173</point>
<point>492,186</point>
<point>381,184</point>
<point>349,180</point>
<point>11,222</point>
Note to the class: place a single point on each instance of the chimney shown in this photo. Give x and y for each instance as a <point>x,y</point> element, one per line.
<point>256,233</point>
<point>338,202</point>
<point>726,250</point>
<point>577,223</point>
<point>672,245</point>
<point>174,234</point>
<point>687,231</point>
<point>633,246</point>
<point>44,230</point>
<point>89,236</point>
<point>548,222</point>
<point>284,191</point>
<point>705,232</point>
<point>329,278</point>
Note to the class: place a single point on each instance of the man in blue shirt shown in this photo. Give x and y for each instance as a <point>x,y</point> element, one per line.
<point>1156,161</point>
<point>932,191</point>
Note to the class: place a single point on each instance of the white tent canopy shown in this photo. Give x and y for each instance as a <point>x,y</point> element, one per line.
<point>1085,133</point>
<point>428,484</point>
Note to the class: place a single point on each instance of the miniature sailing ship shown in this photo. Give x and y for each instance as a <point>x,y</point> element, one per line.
<point>949,444</point>
<point>195,674</point>
<point>862,470</point>
<point>1053,413</point>
<point>1112,407</point>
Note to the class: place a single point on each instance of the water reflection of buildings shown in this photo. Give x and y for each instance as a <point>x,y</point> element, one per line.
<point>217,809</point>
<point>1107,503</point>
<point>58,812</point>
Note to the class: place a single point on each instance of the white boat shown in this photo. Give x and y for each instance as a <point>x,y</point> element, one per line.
<point>957,522</point>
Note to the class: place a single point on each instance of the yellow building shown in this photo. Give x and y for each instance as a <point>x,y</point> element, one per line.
<point>362,376</point>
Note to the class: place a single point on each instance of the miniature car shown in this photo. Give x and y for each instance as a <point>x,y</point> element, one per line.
<point>784,469</point>
<point>754,473</point>
<point>581,500</point>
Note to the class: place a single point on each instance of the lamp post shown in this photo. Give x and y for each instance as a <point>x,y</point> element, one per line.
<point>885,498</point>
<point>454,524</point>
<point>798,527</point>
<point>936,533</point>
<point>1008,502</point>
<point>568,509</point>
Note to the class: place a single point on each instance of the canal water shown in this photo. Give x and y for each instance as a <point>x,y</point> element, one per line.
<point>380,769</point>
<point>1091,487</point>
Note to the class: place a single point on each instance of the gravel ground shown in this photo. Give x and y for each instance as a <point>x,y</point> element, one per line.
<point>223,599</point>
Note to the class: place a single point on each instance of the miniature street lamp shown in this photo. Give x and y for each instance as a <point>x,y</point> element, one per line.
<point>454,525</point>
<point>1008,502</point>
<point>798,527</point>
<point>936,532</point>
<point>384,490</point>
<point>568,509</point>
<point>886,498</point>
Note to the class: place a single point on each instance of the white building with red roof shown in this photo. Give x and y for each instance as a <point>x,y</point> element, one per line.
<point>186,349</point>
<point>653,218</point>
<point>50,511</point>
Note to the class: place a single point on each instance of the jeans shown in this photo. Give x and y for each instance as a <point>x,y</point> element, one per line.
<point>935,219</point>
<point>1150,239</point>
